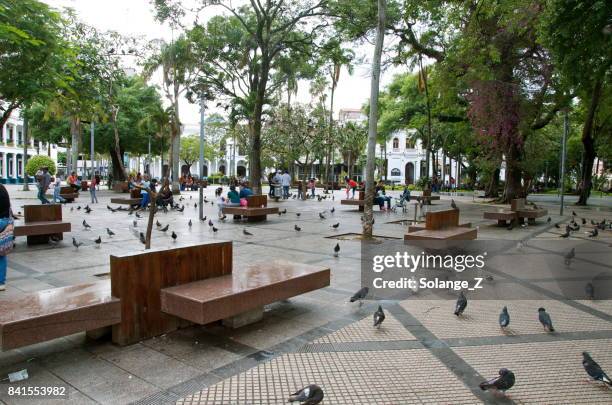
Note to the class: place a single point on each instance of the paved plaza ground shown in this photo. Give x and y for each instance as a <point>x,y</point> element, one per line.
<point>422,354</point>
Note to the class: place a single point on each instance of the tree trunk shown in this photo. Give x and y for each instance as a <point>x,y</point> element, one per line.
<point>118,171</point>
<point>373,120</point>
<point>24,160</point>
<point>513,188</point>
<point>7,114</point>
<point>75,134</point>
<point>331,130</point>
<point>117,150</point>
<point>588,157</point>
<point>491,191</point>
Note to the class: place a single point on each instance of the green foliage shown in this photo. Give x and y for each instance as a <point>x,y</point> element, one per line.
<point>37,162</point>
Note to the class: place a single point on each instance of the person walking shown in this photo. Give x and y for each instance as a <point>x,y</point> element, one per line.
<point>92,188</point>
<point>6,233</point>
<point>312,185</point>
<point>286,183</point>
<point>43,180</point>
<point>57,185</point>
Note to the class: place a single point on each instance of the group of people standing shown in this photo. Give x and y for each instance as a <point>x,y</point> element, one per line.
<point>44,181</point>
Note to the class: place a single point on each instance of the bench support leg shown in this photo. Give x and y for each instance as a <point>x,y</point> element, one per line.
<point>100,333</point>
<point>501,222</point>
<point>246,318</point>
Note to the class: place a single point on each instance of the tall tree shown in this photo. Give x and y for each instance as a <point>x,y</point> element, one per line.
<point>373,119</point>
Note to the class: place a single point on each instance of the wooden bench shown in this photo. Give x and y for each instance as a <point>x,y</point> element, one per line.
<point>360,201</point>
<point>522,212</point>
<point>49,314</point>
<point>68,193</point>
<point>42,222</point>
<point>121,187</point>
<point>135,198</point>
<point>152,304</point>
<point>256,210</point>
<point>427,198</point>
<point>442,225</point>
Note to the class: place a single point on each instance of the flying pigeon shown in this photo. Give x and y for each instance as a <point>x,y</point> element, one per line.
<point>461,304</point>
<point>310,395</point>
<point>297,228</point>
<point>504,318</point>
<point>109,232</point>
<point>86,225</point>
<point>379,317</point>
<point>594,370</point>
<point>360,295</point>
<point>504,382</point>
<point>142,238</point>
<point>336,249</point>
<point>76,244</point>
<point>247,233</point>
<point>165,228</point>
<point>98,241</point>
<point>545,320</point>
<point>569,256</point>
<point>174,236</point>
<point>189,224</point>
<point>589,289</point>
<point>453,205</point>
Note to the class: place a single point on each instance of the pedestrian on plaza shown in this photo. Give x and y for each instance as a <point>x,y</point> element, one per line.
<point>6,233</point>
<point>57,185</point>
<point>312,184</point>
<point>286,183</point>
<point>43,181</point>
<point>92,188</point>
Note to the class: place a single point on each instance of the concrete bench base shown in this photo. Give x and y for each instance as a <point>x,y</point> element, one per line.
<point>501,216</point>
<point>253,214</point>
<point>245,318</point>
<point>454,233</point>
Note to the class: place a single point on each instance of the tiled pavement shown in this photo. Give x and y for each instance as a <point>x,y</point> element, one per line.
<point>421,354</point>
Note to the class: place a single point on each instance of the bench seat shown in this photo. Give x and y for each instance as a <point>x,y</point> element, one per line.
<point>451,233</point>
<point>246,289</point>
<point>500,216</point>
<point>420,227</point>
<point>126,201</point>
<point>49,314</point>
<point>532,213</point>
<point>251,213</point>
<point>41,228</point>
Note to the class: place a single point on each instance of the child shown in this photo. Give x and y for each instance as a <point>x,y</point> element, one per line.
<point>92,189</point>
<point>312,187</point>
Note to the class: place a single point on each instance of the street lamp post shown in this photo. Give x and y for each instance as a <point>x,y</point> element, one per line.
<point>201,189</point>
<point>91,146</point>
<point>563,153</point>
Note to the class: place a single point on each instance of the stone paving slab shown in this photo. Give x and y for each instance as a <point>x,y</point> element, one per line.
<point>481,317</point>
<point>363,331</point>
<point>389,377</point>
<point>546,372</point>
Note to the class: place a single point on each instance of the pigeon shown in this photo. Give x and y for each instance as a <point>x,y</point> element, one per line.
<point>335,226</point>
<point>284,211</point>
<point>321,215</point>
<point>510,226</point>
<point>78,207</point>
<point>333,210</point>
<point>584,221</point>
<point>565,235</point>
<point>98,241</point>
<point>195,205</point>
<point>109,232</point>
<point>545,320</point>
<point>215,229</point>
<point>135,223</point>
<point>280,213</point>
<point>86,225</point>
<point>504,382</point>
<point>574,213</point>
<point>453,205</point>
<point>504,318</point>
<point>189,224</point>
<point>210,223</point>
<point>360,295</point>
<point>589,289</point>
<point>71,209</point>
<point>461,304</point>
<point>165,228</point>
<point>548,220</point>
<point>570,255</point>
<point>557,226</point>
<point>379,317</point>
<point>76,244</point>
<point>247,233</point>
<point>224,217</point>
<point>593,233</point>
<point>174,236</point>
<point>108,207</point>
<point>594,370</point>
<point>336,249</point>
<point>297,214</point>
<point>181,209</point>
<point>311,395</point>
<point>297,228</point>
<point>138,215</point>
<point>204,218</point>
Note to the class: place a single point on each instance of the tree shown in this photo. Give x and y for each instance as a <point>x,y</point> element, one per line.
<point>580,34</point>
<point>33,54</point>
<point>249,54</point>
<point>373,119</point>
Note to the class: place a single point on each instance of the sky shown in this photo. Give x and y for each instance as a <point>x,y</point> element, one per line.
<point>136,18</point>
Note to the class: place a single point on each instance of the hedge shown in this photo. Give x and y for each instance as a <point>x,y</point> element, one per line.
<point>38,161</point>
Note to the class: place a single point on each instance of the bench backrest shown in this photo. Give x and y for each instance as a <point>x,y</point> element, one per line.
<point>42,212</point>
<point>517,204</point>
<point>67,190</point>
<point>137,279</point>
<point>441,219</point>
<point>257,201</point>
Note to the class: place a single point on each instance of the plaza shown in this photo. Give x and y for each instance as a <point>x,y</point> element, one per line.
<point>318,337</point>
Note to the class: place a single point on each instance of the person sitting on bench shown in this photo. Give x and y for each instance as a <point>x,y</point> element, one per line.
<point>245,191</point>
<point>380,197</point>
<point>164,197</point>
<point>232,200</point>
<point>73,181</point>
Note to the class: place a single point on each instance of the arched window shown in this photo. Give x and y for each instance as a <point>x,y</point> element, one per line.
<point>410,143</point>
<point>395,143</point>
<point>396,172</point>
